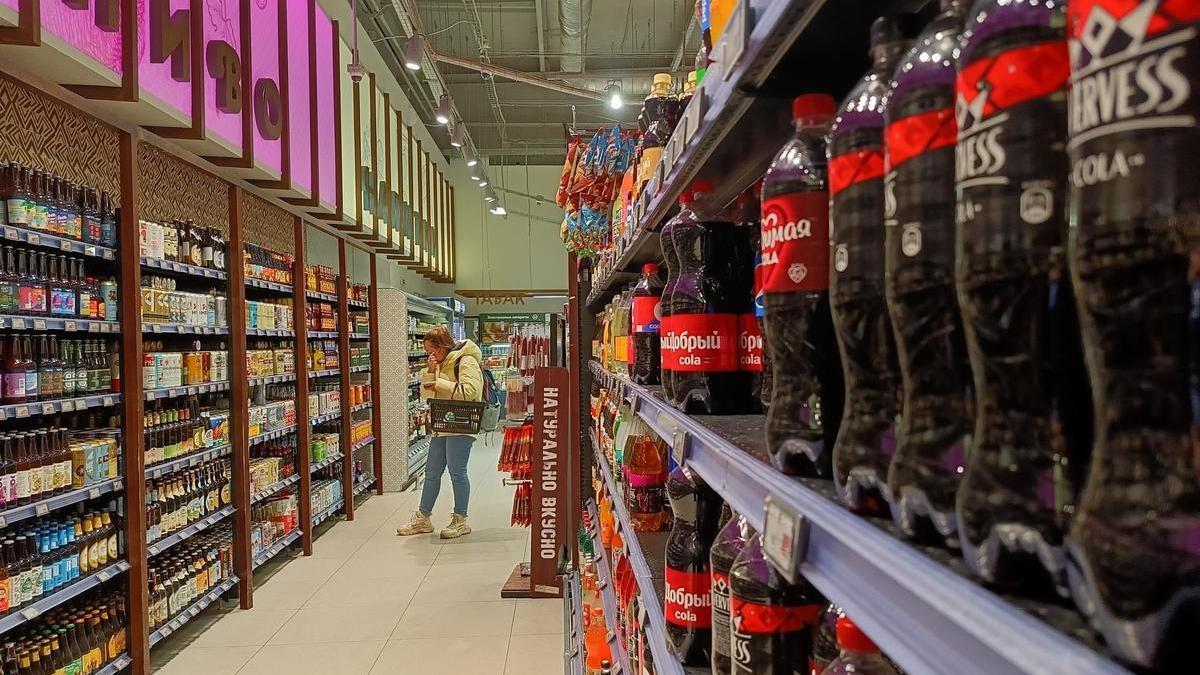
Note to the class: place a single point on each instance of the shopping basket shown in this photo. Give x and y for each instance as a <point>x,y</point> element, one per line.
<point>455,416</point>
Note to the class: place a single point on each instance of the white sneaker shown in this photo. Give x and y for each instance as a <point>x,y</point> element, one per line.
<point>418,524</point>
<point>457,528</point>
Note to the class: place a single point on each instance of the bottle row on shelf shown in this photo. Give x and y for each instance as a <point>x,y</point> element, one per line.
<point>43,368</point>
<point>274,520</point>
<point>164,303</point>
<point>184,497</point>
<point>42,462</point>
<point>39,558</point>
<point>90,635</point>
<point>171,431</point>
<point>35,283</point>
<point>40,201</point>
<point>163,368</point>
<point>180,577</point>
<point>182,242</point>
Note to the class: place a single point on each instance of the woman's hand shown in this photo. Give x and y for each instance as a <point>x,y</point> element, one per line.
<point>434,364</point>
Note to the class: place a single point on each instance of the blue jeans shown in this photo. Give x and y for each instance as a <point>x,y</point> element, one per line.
<point>453,451</point>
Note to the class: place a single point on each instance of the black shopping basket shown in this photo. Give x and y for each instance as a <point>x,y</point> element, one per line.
<point>455,416</point>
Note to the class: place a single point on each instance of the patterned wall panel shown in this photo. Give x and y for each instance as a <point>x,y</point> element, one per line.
<point>267,225</point>
<point>44,133</point>
<point>392,343</point>
<point>172,189</point>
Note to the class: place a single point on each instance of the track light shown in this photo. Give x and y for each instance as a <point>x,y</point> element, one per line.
<point>614,95</point>
<point>456,135</point>
<point>413,51</point>
<point>499,211</point>
<point>443,110</point>
<point>489,195</point>
<point>484,182</point>
<point>469,156</point>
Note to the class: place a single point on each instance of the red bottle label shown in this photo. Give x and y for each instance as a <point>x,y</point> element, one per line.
<point>852,168</point>
<point>919,134</point>
<point>700,343</point>
<point>646,314</point>
<point>689,599</point>
<point>751,618</point>
<point>750,344</point>
<point>795,242</point>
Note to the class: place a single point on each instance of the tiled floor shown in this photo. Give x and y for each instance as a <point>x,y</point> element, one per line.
<point>368,602</point>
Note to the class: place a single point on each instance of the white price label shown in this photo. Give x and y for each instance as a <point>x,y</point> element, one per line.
<point>31,613</point>
<point>34,239</point>
<point>155,328</point>
<point>68,406</point>
<point>3,521</point>
<point>22,411</point>
<point>117,484</point>
<point>108,400</point>
<point>90,250</point>
<point>784,537</point>
<point>108,254</point>
<point>106,328</point>
<point>165,631</point>
<point>3,414</point>
<point>104,575</point>
<point>734,39</point>
<point>153,550</point>
<point>82,404</point>
<point>93,493</point>
<point>69,326</point>
<point>39,324</point>
<point>94,327</point>
<point>47,408</point>
<point>172,393</point>
<point>10,233</point>
<point>693,115</point>
<point>41,509</point>
<point>64,245</point>
<point>17,324</point>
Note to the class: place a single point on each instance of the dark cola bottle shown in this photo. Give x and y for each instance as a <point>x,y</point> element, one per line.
<point>1134,543</point>
<point>760,314</point>
<point>645,317</point>
<point>702,337</point>
<point>771,620</point>
<point>1032,405</point>
<point>730,541</point>
<point>825,643</point>
<point>866,439</point>
<point>750,341</point>
<point>919,229</point>
<point>807,388</point>
<point>665,238</point>
<point>687,606</point>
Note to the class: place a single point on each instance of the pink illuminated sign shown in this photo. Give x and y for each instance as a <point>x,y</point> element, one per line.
<point>91,27</point>
<point>299,97</point>
<point>223,101</point>
<point>326,132</point>
<point>265,72</point>
<point>164,39</point>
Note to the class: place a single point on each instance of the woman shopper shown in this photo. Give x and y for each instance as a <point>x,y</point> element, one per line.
<point>454,372</point>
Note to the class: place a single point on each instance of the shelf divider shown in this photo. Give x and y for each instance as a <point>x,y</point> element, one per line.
<point>303,429</point>
<point>344,372</point>
<point>239,413</point>
<point>376,380</point>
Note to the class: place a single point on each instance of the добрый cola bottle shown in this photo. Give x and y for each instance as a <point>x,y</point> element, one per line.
<point>807,388</point>
<point>1133,140</point>
<point>729,544</point>
<point>867,437</point>
<point>700,343</point>
<point>645,315</point>
<point>671,260</point>
<point>750,342</point>
<point>771,620</point>
<point>760,314</point>
<point>919,285</point>
<point>687,607</point>
<point>1032,405</point>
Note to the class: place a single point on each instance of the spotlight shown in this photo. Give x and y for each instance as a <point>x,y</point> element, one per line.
<point>499,211</point>
<point>484,182</point>
<point>413,50</point>
<point>469,156</point>
<point>489,195</point>
<point>443,110</point>
<point>456,136</point>
<point>614,95</point>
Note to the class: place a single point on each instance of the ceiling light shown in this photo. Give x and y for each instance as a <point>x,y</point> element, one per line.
<point>499,211</point>
<point>413,51</point>
<point>484,182</point>
<point>443,110</point>
<point>456,135</point>
<point>469,156</point>
<point>614,95</point>
<point>489,195</point>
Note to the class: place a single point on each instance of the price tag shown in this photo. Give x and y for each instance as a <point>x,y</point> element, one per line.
<point>3,521</point>
<point>194,611</point>
<point>10,233</point>
<point>69,326</point>
<point>94,327</point>
<point>34,239</point>
<point>175,624</point>
<point>153,550</point>
<point>106,328</point>
<point>108,254</point>
<point>39,324</point>
<point>173,392</point>
<point>680,446</point>
<point>68,406</point>
<point>31,613</point>
<point>108,400</point>
<point>165,631</point>
<point>3,414</point>
<point>17,324</point>
<point>117,484</point>
<point>784,537</point>
<point>734,39</point>
<point>82,404</point>
<point>47,408</point>
<point>90,250</point>
<point>22,411</point>
<point>103,575</point>
<point>693,115</point>
<point>41,509</point>
<point>93,493</point>
<point>64,245</point>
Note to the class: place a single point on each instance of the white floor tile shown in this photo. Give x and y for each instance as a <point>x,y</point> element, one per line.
<point>456,619</point>
<point>538,617</point>
<point>347,658</point>
<point>196,660</point>
<point>529,654</point>
<point>244,628</point>
<point>477,655</point>
<point>362,623</point>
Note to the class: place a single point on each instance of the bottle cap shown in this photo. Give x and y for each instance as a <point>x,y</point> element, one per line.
<point>649,269</point>
<point>849,636</point>
<point>662,79</point>
<point>810,105</point>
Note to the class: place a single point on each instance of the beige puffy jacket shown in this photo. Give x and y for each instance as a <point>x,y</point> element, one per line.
<point>465,360</point>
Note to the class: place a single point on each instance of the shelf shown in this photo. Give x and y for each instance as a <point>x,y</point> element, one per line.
<point>184,329</point>
<point>31,611</point>
<point>362,444</point>
<point>574,601</point>
<point>271,379</point>
<point>268,285</point>
<point>885,583</point>
<point>360,488</point>
<point>327,297</point>
<point>331,372</point>
<point>272,435</point>
<point>188,461</point>
<point>326,513</point>
<point>276,548</point>
<point>164,543</point>
<point>23,410</point>
<point>115,666</point>
<point>360,336</point>
<point>42,323</point>
<point>417,355</point>
<point>361,406</point>
<point>190,613</point>
<point>328,461</point>
<point>326,417</point>
<point>45,506</point>
<point>274,489</point>
<point>185,390</point>
<point>358,304</point>
<point>35,238</point>
<point>322,334</point>
<point>360,369</point>
<point>183,268</point>
<point>271,332</point>
<point>608,598</point>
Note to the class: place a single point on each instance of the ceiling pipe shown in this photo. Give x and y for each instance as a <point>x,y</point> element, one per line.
<point>518,76</point>
<point>541,30</point>
<point>573,18</point>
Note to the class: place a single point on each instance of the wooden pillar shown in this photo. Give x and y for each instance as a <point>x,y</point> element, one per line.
<point>239,413</point>
<point>376,378</point>
<point>344,376</point>
<point>131,415</point>
<point>303,427</point>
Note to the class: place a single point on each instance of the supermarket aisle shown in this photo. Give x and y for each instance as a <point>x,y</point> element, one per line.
<point>370,602</point>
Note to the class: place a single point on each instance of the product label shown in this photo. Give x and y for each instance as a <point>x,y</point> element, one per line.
<point>688,601</point>
<point>759,631</point>
<point>750,344</point>
<point>646,314</point>
<point>4,586</point>
<point>795,242</point>
<point>621,348</point>
<point>916,135</point>
<point>62,303</point>
<point>720,612</point>
<point>919,196</point>
<point>856,167</point>
<point>700,343</point>
<point>18,212</point>
<point>14,386</point>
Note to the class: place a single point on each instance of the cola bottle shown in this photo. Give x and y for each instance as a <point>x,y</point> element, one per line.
<point>857,654</point>
<point>731,539</point>
<point>700,344</point>
<point>866,439</point>
<point>919,214</point>
<point>807,388</point>
<point>760,312</point>
<point>825,644</point>
<point>750,342</point>
<point>687,606</point>
<point>645,316</point>
<point>1133,556</point>
<point>771,620</point>
<point>1033,412</point>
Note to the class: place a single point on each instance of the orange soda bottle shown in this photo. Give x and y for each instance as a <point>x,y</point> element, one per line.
<point>646,497</point>
<point>595,643</point>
